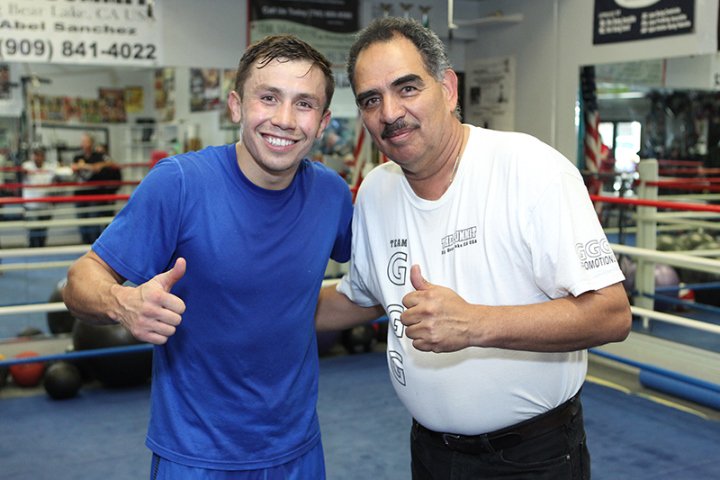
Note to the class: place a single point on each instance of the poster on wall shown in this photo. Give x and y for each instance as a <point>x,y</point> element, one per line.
<point>98,33</point>
<point>112,105</point>
<point>650,73</point>
<point>165,93</point>
<point>327,25</point>
<point>72,109</point>
<point>626,20</point>
<point>134,99</point>
<point>490,93</point>
<point>204,89</point>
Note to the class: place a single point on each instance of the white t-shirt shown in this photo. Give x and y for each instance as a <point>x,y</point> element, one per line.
<point>515,227</point>
<point>37,176</point>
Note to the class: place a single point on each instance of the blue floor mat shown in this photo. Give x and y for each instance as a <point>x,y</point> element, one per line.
<point>100,434</point>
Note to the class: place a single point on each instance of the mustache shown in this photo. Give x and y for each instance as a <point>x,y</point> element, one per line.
<point>390,130</point>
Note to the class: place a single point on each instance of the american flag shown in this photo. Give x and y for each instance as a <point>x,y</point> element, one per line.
<point>591,119</point>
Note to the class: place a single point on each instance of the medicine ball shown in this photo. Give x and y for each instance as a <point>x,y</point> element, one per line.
<point>62,380</point>
<point>665,276</point>
<point>27,374</point>
<point>117,370</point>
<point>62,321</point>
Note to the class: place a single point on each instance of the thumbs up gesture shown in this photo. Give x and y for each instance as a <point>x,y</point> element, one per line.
<point>436,318</point>
<point>150,312</point>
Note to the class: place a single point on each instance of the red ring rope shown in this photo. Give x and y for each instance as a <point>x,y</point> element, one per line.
<point>697,185</point>
<point>689,180</point>
<point>117,165</point>
<point>684,163</point>
<point>689,171</point>
<point>657,203</point>
<point>66,199</point>
<point>94,183</point>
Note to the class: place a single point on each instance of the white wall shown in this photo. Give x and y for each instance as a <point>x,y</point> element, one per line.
<point>203,34</point>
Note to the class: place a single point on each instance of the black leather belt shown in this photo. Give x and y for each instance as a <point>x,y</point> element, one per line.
<point>510,436</point>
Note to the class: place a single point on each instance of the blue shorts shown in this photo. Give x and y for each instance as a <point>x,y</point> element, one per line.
<point>308,466</point>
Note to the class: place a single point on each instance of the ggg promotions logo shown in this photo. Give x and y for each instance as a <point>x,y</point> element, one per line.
<point>595,254</point>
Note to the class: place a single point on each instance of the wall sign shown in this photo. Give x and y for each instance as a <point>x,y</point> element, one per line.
<point>490,93</point>
<point>327,25</point>
<point>80,32</point>
<point>627,20</point>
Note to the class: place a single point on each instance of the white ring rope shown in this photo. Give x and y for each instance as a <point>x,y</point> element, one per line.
<point>43,251</point>
<point>39,252</point>
<point>33,308</point>
<point>66,222</point>
<point>7,267</point>
<point>675,320</point>
<point>60,306</point>
<point>674,259</point>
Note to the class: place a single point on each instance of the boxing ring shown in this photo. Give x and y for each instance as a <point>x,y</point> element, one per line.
<point>662,364</point>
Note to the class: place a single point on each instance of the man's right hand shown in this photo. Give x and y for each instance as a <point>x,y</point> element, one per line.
<point>149,311</point>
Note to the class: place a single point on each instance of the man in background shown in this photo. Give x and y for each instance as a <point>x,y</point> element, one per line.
<point>93,164</point>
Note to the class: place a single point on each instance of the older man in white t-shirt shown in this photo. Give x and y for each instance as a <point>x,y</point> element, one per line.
<point>484,251</point>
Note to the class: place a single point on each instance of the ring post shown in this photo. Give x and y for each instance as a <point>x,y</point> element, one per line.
<point>646,238</point>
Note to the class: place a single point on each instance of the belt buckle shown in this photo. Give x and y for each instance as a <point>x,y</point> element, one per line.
<point>447,436</point>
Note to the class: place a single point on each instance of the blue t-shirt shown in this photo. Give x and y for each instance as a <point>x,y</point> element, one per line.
<point>236,386</point>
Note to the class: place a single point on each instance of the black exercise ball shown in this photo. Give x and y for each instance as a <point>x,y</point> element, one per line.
<point>117,370</point>
<point>62,380</point>
<point>62,321</point>
<point>81,364</point>
<point>358,339</point>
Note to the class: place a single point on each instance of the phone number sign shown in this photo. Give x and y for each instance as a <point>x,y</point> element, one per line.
<point>80,32</point>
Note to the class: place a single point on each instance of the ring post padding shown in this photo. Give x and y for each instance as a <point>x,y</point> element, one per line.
<point>673,383</point>
<point>679,388</point>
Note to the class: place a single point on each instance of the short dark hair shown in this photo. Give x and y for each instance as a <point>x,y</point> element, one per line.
<point>286,47</point>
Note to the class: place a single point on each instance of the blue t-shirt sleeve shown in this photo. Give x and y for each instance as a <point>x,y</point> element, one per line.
<point>141,240</point>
